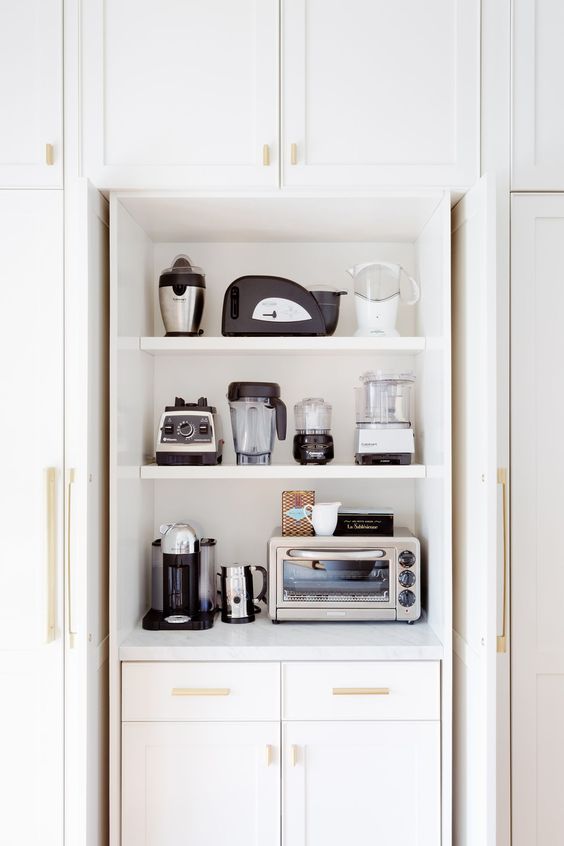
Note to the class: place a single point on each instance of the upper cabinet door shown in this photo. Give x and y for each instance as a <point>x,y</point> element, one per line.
<point>380,93</point>
<point>538,95</point>
<point>181,94</point>
<point>31,94</point>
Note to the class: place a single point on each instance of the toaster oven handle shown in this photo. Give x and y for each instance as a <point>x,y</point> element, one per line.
<point>337,554</point>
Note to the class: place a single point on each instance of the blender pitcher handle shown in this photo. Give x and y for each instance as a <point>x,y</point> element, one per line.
<point>262,595</point>
<point>280,410</point>
<point>416,291</point>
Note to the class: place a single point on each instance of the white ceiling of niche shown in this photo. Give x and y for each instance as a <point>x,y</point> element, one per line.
<point>193,219</point>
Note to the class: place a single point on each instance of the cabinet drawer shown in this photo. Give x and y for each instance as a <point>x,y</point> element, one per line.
<point>193,691</point>
<point>375,690</point>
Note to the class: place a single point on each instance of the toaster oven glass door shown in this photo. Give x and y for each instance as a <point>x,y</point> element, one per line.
<point>319,578</point>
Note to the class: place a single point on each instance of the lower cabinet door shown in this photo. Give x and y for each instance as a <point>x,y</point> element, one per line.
<point>196,783</point>
<point>372,782</point>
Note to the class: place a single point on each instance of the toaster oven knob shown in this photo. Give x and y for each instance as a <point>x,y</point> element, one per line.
<point>186,430</point>
<point>406,558</point>
<point>406,598</point>
<point>406,578</point>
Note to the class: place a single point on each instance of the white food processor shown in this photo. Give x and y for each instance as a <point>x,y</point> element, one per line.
<point>378,288</point>
<point>384,432</point>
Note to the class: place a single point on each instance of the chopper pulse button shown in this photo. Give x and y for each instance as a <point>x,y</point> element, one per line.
<point>203,428</point>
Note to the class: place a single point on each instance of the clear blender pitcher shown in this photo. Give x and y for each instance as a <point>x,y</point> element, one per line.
<point>257,416</point>
<point>378,288</point>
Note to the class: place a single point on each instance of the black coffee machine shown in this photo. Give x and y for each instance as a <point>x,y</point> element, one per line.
<point>186,583</point>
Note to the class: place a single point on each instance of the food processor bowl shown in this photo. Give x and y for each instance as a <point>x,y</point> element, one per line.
<point>312,415</point>
<point>385,398</point>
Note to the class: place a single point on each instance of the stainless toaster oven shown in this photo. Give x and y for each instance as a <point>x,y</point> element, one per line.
<point>338,578</point>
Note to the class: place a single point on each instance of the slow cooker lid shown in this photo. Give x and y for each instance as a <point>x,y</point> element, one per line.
<point>182,272</point>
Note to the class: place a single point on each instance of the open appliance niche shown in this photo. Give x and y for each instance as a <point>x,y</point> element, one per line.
<point>312,241</point>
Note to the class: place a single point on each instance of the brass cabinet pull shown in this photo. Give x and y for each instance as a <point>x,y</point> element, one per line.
<point>361,691</point>
<point>49,155</point>
<point>51,513</point>
<point>502,638</point>
<point>266,155</point>
<point>70,630</point>
<point>293,154</point>
<point>201,691</point>
<point>293,755</point>
<point>268,751</point>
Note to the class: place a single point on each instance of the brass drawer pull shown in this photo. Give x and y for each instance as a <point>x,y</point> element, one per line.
<point>293,154</point>
<point>266,155</point>
<point>49,155</point>
<point>361,691</point>
<point>268,752</point>
<point>201,691</point>
<point>293,755</point>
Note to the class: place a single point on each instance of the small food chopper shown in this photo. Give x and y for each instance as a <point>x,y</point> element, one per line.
<point>257,415</point>
<point>384,434</point>
<point>378,288</point>
<point>313,443</point>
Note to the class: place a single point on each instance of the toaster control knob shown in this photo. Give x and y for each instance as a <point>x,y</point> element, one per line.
<point>406,578</point>
<point>406,598</point>
<point>406,558</point>
<point>186,430</point>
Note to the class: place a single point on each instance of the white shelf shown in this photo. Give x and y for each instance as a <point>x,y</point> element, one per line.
<point>205,345</point>
<point>284,471</point>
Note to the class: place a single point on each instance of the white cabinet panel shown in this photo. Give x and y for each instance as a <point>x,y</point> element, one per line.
<point>201,783</point>
<point>380,93</point>
<point>537,459</point>
<point>181,95</point>
<point>86,453</point>
<point>31,589</point>
<point>31,93</point>
<point>538,95</point>
<point>360,783</point>
<point>475,523</point>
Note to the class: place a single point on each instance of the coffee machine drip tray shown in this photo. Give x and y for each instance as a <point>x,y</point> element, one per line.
<point>155,621</point>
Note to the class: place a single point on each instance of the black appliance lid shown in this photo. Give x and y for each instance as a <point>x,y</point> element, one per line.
<point>182,272</point>
<point>181,405</point>
<point>238,390</point>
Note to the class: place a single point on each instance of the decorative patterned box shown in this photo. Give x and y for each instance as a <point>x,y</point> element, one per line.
<point>293,519</point>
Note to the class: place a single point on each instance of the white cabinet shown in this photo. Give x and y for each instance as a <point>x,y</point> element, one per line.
<point>86,547</point>
<point>186,95</point>
<point>376,782</point>
<point>380,93</point>
<point>537,459</point>
<point>477,555</point>
<point>373,93</point>
<point>31,517</point>
<point>31,93</point>
<point>538,95</point>
<point>201,782</point>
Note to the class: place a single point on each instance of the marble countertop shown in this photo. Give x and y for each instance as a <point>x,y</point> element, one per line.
<point>263,641</point>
